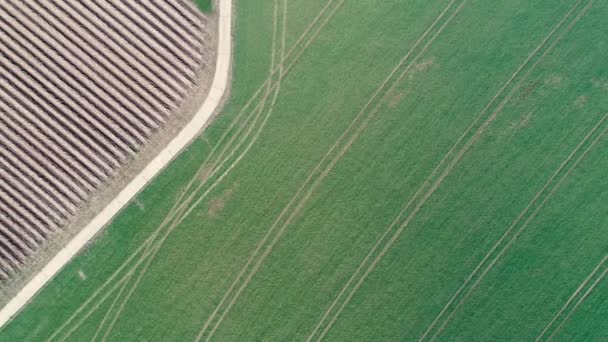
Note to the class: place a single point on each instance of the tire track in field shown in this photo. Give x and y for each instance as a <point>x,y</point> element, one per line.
<point>105,318</point>
<point>574,295</point>
<point>99,290</point>
<point>454,300</point>
<point>358,124</point>
<point>578,303</point>
<point>151,239</point>
<point>382,245</point>
<point>109,311</point>
<point>514,231</point>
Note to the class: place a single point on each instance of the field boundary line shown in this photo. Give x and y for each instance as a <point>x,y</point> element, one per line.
<point>580,288</point>
<point>125,300</point>
<point>578,303</point>
<point>321,177</point>
<point>507,232</point>
<point>430,191</point>
<point>115,286</point>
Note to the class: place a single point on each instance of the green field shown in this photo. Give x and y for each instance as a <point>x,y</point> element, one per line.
<point>204,5</point>
<point>411,170</point>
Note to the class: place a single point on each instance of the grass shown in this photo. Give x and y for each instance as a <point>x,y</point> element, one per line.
<point>525,157</point>
<point>205,5</point>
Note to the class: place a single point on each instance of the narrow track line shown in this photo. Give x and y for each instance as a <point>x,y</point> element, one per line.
<point>580,288</point>
<point>109,311</point>
<point>457,293</point>
<point>578,303</point>
<point>105,296</point>
<point>91,311</point>
<point>520,229</point>
<point>125,300</point>
<point>277,91</point>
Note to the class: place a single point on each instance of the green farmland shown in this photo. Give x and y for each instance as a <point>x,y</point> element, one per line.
<point>384,170</point>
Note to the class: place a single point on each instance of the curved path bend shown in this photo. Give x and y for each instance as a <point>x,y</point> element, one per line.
<point>184,137</point>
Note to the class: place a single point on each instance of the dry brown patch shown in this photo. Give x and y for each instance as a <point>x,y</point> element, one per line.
<point>394,101</point>
<point>554,80</point>
<point>527,91</point>
<point>423,66</point>
<point>521,123</point>
<point>581,101</point>
<point>203,175</point>
<point>218,203</point>
<point>140,204</point>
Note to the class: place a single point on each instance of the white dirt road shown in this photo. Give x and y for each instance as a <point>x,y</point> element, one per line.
<point>185,136</point>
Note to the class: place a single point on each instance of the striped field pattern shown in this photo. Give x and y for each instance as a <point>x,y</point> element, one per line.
<point>83,86</point>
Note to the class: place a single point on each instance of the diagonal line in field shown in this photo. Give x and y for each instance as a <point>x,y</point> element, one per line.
<point>105,318</point>
<point>427,182</point>
<point>580,288</point>
<point>151,239</point>
<point>125,300</point>
<point>98,291</point>
<point>522,214</point>
<point>362,124</point>
<point>578,304</point>
<point>520,230</point>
